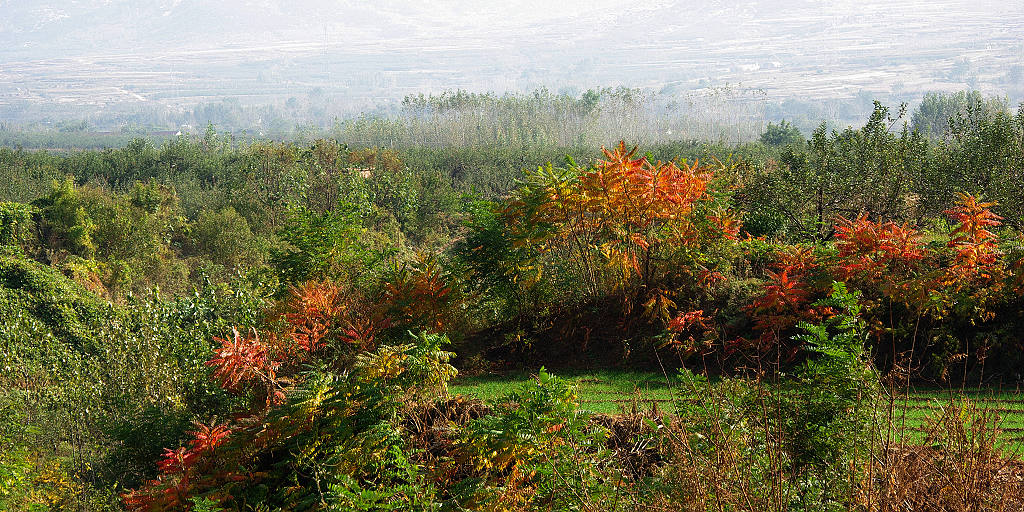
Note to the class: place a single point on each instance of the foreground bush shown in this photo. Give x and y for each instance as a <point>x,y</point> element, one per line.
<point>332,418</point>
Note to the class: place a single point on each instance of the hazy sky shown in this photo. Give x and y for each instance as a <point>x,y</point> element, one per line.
<point>122,25</point>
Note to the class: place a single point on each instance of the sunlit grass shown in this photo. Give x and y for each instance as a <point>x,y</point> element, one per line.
<point>601,391</point>
<point>615,391</point>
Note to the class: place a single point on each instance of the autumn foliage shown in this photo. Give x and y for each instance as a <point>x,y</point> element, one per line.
<point>243,363</point>
<point>420,295</point>
<point>902,280</point>
<point>974,245</point>
<point>181,469</point>
<point>314,307</point>
<point>869,249</point>
<point>665,239</point>
<point>625,226</point>
<point>788,290</point>
<point>661,238</point>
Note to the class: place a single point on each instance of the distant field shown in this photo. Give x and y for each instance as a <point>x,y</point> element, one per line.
<point>612,391</point>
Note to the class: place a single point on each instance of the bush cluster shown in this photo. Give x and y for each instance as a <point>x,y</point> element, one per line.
<point>272,326</point>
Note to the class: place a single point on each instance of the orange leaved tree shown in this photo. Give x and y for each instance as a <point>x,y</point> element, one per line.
<point>616,226</point>
<point>975,247</point>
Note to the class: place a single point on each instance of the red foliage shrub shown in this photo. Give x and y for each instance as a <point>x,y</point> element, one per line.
<point>242,360</point>
<point>786,296</point>
<point>688,320</point>
<point>206,439</point>
<point>975,247</point>
<point>181,470</point>
<point>319,312</point>
<point>870,249</point>
<point>313,308</point>
<point>419,295</point>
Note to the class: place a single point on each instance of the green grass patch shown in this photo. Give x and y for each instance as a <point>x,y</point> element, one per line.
<point>615,391</point>
<point>601,391</point>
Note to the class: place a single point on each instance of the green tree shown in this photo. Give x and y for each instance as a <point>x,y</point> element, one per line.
<point>69,226</point>
<point>982,155</point>
<point>781,134</point>
<point>224,237</point>
<point>938,111</point>
<point>16,225</point>
<point>869,170</point>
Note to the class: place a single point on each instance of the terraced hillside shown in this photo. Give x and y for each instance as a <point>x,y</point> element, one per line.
<point>176,54</point>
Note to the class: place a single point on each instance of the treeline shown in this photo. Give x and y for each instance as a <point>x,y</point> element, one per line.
<point>594,117</point>
<point>144,216</point>
<point>542,117</point>
<point>452,118</point>
<point>213,204</point>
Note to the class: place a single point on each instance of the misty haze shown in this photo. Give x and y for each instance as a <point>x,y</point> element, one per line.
<point>264,66</point>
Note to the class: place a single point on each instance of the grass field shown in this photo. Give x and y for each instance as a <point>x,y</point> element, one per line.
<point>612,391</point>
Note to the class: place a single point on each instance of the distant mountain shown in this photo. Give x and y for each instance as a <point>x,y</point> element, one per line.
<point>182,52</point>
<point>50,28</point>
